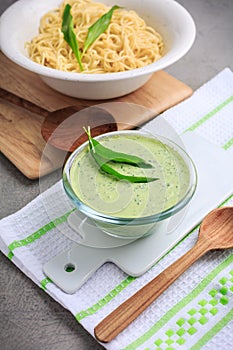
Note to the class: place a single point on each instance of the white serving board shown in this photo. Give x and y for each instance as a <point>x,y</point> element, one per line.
<point>215,184</point>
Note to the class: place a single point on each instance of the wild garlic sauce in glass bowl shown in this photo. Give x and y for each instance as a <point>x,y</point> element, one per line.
<point>123,208</point>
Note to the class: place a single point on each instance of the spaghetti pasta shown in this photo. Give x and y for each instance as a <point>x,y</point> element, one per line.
<point>128,43</point>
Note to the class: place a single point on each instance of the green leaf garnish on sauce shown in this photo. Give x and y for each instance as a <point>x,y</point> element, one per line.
<point>103,156</point>
<point>69,34</point>
<point>99,27</point>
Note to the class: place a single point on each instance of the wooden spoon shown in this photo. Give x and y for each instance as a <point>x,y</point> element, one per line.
<point>216,232</point>
<point>63,128</point>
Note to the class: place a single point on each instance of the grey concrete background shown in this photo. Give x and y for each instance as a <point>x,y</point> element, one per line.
<point>29,318</point>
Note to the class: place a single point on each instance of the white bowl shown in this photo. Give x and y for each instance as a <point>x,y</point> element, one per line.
<point>20,23</point>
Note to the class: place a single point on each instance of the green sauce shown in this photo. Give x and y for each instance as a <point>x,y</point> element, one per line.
<point>108,195</point>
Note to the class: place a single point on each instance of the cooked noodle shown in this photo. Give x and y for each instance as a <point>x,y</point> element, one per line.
<point>128,43</point>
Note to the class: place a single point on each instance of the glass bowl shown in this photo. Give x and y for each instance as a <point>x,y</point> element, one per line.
<point>131,210</point>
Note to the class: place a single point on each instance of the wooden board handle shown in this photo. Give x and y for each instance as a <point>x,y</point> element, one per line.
<point>21,102</point>
<point>121,317</point>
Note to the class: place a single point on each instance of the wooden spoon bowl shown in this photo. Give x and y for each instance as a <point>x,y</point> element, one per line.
<point>64,129</point>
<point>217,229</point>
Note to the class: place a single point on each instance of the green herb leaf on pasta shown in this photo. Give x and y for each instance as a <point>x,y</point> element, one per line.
<point>99,27</point>
<point>69,34</point>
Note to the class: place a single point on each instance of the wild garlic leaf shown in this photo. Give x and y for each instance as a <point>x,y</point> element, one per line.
<point>102,156</point>
<point>69,34</point>
<point>99,27</point>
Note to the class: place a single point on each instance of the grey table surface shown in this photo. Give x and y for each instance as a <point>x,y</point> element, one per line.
<point>29,318</point>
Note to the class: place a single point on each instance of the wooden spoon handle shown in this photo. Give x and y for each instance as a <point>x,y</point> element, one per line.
<point>121,317</point>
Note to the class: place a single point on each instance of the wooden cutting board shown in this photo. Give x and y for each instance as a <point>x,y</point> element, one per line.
<point>20,130</point>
